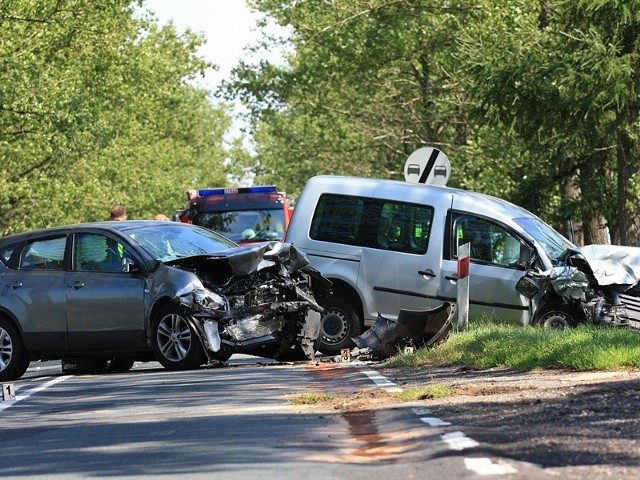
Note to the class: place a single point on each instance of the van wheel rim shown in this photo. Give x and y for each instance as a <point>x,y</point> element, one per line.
<point>556,320</point>
<point>335,326</point>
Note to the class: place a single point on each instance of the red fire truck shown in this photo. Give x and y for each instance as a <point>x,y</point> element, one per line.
<point>243,214</point>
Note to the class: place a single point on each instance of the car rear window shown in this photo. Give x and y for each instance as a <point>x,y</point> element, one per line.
<point>44,254</point>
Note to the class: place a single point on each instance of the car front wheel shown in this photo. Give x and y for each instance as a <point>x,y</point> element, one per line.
<point>14,358</point>
<point>558,316</point>
<point>340,323</point>
<point>175,344</point>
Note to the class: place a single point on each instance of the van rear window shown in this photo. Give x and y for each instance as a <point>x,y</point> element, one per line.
<point>375,223</point>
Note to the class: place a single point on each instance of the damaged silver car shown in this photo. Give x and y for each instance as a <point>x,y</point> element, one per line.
<point>107,294</point>
<point>597,284</point>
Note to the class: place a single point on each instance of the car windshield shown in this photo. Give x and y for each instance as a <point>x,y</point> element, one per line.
<point>171,241</point>
<point>551,241</point>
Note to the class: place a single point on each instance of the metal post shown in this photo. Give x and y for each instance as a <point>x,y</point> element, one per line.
<point>462,290</point>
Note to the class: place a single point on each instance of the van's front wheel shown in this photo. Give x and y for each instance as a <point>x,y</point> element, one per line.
<point>340,323</point>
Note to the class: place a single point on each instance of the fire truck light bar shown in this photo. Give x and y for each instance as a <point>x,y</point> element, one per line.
<point>210,192</point>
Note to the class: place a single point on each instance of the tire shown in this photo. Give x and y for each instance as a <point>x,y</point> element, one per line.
<point>558,316</point>
<point>14,358</point>
<point>174,342</point>
<point>119,365</point>
<point>340,323</point>
<point>80,365</point>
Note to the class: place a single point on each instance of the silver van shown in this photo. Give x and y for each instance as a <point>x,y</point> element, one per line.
<point>389,245</point>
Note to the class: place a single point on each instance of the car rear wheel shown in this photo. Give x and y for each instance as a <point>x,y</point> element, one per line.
<point>175,344</point>
<point>558,316</point>
<point>340,323</point>
<point>14,358</point>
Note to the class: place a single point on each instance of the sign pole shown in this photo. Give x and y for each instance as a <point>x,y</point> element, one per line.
<point>462,290</point>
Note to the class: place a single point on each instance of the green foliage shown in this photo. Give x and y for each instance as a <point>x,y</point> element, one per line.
<point>369,82</point>
<point>533,101</point>
<point>487,345</point>
<point>97,107</point>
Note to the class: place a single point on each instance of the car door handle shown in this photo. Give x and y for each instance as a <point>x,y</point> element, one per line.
<point>77,284</point>
<point>453,277</point>
<point>427,273</point>
<point>14,284</point>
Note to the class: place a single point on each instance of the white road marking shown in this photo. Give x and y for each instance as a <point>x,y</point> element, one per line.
<point>458,441</point>
<point>434,422</point>
<point>382,381</point>
<point>28,393</point>
<point>484,466</point>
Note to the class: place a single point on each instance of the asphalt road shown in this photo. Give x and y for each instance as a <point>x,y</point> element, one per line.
<point>236,422</point>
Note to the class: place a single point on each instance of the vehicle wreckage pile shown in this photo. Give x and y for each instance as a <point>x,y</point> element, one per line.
<point>597,284</point>
<point>258,300</point>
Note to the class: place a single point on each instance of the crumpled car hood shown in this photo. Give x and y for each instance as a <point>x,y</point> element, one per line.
<point>247,259</point>
<point>257,298</point>
<point>610,264</point>
<point>606,264</point>
<point>185,286</point>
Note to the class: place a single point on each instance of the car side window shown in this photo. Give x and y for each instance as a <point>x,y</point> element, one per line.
<point>368,222</point>
<point>97,253</point>
<point>489,242</point>
<point>44,254</point>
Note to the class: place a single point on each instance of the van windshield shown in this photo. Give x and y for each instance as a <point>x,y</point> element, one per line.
<point>551,241</point>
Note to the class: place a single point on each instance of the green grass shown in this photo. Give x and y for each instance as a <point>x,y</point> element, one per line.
<point>311,398</point>
<point>490,345</point>
<point>411,394</point>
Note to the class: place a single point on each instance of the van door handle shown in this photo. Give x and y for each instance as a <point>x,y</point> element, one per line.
<point>427,273</point>
<point>453,277</point>
<point>14,284</point>
<point>77,284</point>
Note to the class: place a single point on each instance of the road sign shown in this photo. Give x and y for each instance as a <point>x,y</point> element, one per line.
<point>427,165</point>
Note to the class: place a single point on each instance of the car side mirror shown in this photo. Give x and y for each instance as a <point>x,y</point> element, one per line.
<point>527,287</point>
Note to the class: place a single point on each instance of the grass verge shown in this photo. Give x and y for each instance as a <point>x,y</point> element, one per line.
<point>489,345</point>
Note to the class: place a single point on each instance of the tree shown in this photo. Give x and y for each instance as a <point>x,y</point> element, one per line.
<point>533,102</point>
<point>97,108</point>
<point>563,77</point>
<point>367,83</point>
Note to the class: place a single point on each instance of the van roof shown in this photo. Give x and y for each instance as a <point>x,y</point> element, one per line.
<point>348,185</point>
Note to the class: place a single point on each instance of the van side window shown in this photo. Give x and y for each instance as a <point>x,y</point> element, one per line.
<point>337,219</point>
<point>489,242</point>
<point>375,223</point>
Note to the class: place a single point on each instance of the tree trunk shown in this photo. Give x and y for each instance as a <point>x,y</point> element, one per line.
<point>595,230</point>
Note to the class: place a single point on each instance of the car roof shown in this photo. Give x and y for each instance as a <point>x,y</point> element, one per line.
<point>107,225</point>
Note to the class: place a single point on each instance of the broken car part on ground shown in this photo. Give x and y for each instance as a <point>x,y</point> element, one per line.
<point>412,329</point>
